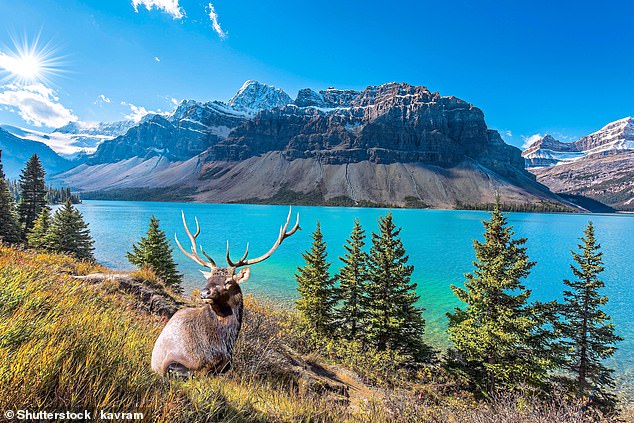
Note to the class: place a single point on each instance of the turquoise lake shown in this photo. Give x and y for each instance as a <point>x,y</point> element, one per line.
<point>439,244</point>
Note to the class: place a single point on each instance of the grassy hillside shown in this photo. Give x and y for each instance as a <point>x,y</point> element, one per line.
<point>75,344</point>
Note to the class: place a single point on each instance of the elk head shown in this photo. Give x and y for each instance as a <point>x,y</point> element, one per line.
<point>222,282</point>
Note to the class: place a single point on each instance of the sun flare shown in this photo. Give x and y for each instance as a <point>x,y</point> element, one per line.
<point>29,61</point>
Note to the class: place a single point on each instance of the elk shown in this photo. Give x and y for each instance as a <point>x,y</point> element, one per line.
<point>200,340</point>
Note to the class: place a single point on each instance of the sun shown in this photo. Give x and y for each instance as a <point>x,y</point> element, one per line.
<point>29,61</point>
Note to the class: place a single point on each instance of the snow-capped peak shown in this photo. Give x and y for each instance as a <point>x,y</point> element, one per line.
<point>613,138</point>
<point>254,96</point>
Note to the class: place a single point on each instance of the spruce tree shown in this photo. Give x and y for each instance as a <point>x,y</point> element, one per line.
<point>352,277</point>
<point>69,233</point>
<point>9,223</point>
<point>392,320</point>
<point>32,193</point>
<point>154,252</point>
<point>316,287</point>
<point>499,337</point>
<point>587,332</point>
<point>38,236</point>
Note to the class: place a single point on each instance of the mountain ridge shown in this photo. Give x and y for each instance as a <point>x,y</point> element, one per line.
<point>388,144</point>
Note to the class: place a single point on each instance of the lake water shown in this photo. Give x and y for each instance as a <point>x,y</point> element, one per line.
<point>439,244</point>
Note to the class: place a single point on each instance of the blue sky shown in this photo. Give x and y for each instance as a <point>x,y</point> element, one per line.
<point>559,67</point>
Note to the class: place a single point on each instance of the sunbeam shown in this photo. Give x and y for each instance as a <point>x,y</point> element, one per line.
<point>29,61</point>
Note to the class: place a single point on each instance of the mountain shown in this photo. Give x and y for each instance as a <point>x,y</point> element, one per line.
<point>76,139</point>
<point>614,138</point>
<point>191,128</point>
<point>87,136</point>
<point>393,144</point>
<point>16,151</point>
<point>599,166</point>
<point>184,133</point>
<point>254,96</point>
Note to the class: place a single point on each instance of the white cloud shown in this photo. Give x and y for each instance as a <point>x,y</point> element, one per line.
<point>101,100</point>
<point>37,104</point>
<point>157,58</point>
<point>213,16</point>
<point>174,101</point>
<point>530,140</point>
<point>170,7</point>
<point>138,112</point>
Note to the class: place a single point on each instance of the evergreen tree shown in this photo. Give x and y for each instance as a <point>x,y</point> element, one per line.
<point>499,337</point>
<point>587,332</point>
<point>32,193</point>
<point>316,287</point>
<point>38,236</point>
<point>9,223</point>
<point>392,320</point>
<point>352,277</point>
<point>154,252</point>
<point>69,233</point>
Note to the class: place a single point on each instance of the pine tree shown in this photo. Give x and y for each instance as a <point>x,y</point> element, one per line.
<point>69,233</point>
<point>9,223</point>
<point>38,236</point>
<point>352,277</point>
<point>316,287</point>
<point>587,332</point>
<point>392,320</point>
<point>500,338</point>
<point>32,193</point>
<point>154,252</point>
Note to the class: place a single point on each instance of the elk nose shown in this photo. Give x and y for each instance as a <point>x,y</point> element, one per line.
<point>204,294</point>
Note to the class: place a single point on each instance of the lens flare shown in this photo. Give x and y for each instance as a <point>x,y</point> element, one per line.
<point>29,61</point>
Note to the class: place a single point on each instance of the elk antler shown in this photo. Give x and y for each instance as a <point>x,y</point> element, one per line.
<point>283,235</point>
<point>192,238</point>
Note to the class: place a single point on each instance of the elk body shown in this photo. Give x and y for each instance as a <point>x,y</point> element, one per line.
<point>201,340</point>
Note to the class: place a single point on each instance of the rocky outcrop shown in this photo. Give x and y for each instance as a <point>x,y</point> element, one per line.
<point>148,298</point>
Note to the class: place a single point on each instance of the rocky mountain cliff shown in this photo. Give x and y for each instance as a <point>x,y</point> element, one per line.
<point>393,144</point>
<point>391,123</point>
<point>599,166</point>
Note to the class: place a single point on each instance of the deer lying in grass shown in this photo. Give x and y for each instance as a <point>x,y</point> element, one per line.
<point>200,340</point>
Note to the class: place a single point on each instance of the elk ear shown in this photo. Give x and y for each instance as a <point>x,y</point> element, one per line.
<point>207,275</point>
<point>242,275</point>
